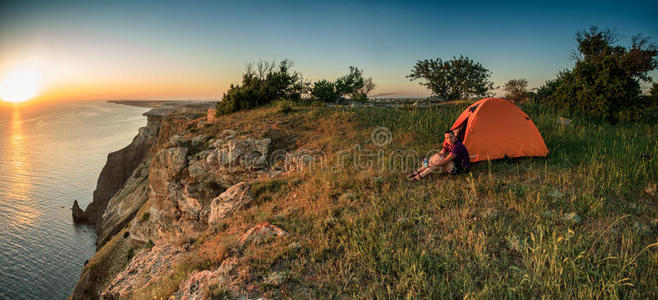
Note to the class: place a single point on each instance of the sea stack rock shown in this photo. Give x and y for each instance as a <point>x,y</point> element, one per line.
<point>79,215</point>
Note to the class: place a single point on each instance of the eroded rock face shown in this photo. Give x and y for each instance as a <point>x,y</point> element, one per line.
<point>233,199</point>
<point>143,269</point>
<point>177,191</point>
<point>230,160</point>
<point>124,205</point>
<point>119,167</point>
<point>165,166</point>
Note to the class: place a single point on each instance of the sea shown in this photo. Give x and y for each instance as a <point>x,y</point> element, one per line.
<point>51,153</point>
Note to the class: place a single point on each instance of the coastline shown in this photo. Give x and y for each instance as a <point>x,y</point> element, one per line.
<point>145,103</point>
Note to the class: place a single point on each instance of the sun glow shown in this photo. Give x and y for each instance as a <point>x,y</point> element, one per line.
<point>20,84</point>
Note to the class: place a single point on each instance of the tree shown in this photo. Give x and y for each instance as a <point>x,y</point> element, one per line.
<point>545,91</point>
<point>261,86</point>
<point>368,86</point>
<point>516,90</point>
<point>604,82</point>
<point>352,85</point>
<point>324,90</point>
<point>653,93</point>
<point>458,78</point>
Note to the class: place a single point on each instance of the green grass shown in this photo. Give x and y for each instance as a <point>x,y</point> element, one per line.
<point>578,223</point>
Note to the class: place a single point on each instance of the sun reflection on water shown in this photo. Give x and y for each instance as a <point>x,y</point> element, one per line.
<point>20,181</point>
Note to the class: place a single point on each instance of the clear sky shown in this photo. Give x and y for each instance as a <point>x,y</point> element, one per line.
<point>179,49</point>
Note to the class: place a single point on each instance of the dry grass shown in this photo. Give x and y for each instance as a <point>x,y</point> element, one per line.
<point>576,224</point>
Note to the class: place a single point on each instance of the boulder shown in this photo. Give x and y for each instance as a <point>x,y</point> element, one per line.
<point>145,266</point>
<point>261,233</point>
<point>198,283</point>
<point>228,133</point>
<point>229,201</point>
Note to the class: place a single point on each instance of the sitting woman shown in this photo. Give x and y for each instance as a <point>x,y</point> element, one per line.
<point>456,161</point>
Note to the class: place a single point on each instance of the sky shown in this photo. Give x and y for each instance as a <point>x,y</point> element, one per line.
<point>102,50</point>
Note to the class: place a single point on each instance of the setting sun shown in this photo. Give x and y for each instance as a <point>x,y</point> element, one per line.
<point>20,84</point>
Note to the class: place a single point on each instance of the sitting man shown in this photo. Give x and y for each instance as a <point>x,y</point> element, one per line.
<point>456,161</point>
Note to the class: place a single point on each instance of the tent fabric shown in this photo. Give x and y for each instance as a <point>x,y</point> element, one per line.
<point>496,128</point>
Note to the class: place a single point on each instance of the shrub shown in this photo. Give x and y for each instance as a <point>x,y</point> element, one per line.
<point>324,90</point>
<point>604,82</point>
<point>262,86</point>
<point>352,85</point>
<point>284,106</point>
<point>549,87</point>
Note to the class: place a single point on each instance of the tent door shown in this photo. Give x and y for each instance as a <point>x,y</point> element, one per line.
<point>461,130</point>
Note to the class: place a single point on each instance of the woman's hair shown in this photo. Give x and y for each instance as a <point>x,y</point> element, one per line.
<point>449,131</point>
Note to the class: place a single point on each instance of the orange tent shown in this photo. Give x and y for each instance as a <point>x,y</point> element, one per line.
<point>493,128</point>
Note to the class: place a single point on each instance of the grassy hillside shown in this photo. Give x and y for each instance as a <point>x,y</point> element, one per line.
<point>581,222</point>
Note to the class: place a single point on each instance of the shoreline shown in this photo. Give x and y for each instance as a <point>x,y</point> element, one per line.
<point>145,103</point>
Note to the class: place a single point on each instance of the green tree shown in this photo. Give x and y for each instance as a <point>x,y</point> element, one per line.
<point>548,88</point>
<point>653,93</point>
<point>604,82</point>
<point>352,85</point>
<point>262,84</point>
<point>324,90</point>
<point>516,90</point>
<point>458,78</point>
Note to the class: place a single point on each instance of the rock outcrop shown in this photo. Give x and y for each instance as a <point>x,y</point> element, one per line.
<point>146,266</point>
<point>123,185</point>
<point>200,284</point>
<point>119,167</point>
<point>172,182</point>
<point>230,160</point>
<point>261,233</point>
<point>228,202</point>
<point>79,215</point>
<point>123,206</point>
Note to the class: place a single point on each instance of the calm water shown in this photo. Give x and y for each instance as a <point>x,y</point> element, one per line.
<point>51,154</point>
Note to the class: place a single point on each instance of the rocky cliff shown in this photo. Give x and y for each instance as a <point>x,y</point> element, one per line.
<point>173,182</point>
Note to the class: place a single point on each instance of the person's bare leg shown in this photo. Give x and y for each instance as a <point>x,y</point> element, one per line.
<point>435,157</point>
<point>415,173</point>
<point>432,166</point>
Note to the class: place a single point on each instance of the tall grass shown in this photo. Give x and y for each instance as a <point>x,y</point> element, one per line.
<point>578,223</point>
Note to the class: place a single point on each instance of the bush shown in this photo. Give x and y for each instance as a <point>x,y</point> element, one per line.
<point>604,83</point>
<point>262,86</point>
<point>352,85</point>
<point>324,90</point>
<point>284,106</point>
<point>549,87</point>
